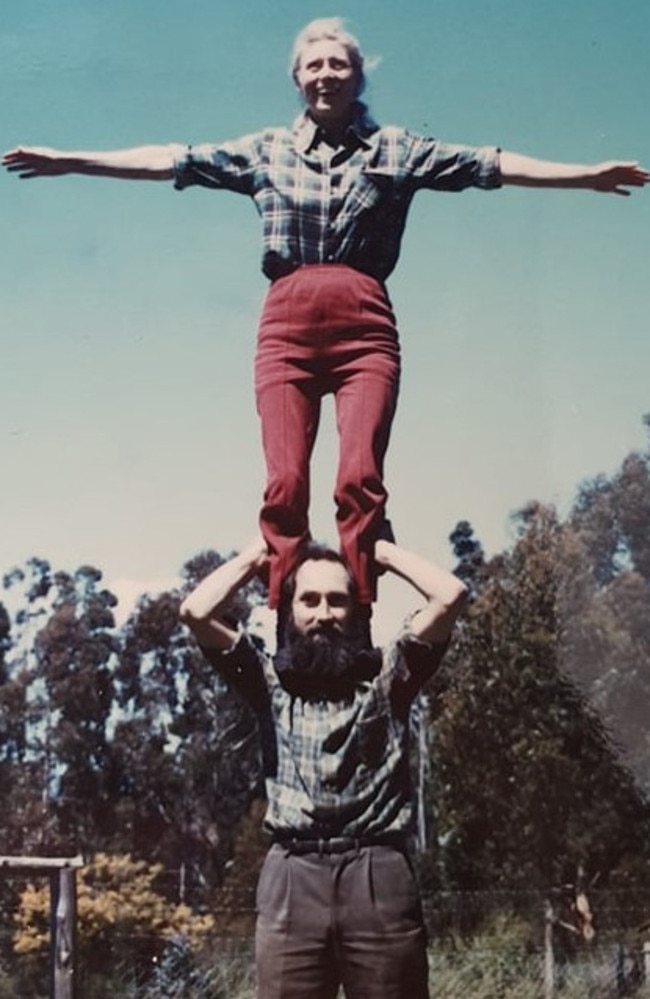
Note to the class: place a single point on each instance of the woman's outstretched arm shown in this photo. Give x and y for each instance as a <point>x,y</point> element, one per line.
<point>139,163</point>
<point>612,177</point>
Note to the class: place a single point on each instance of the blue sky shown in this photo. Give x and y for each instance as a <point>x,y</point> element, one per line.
<point>129,435</point>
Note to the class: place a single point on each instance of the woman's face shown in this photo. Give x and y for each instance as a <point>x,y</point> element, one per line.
<point>327,81</point>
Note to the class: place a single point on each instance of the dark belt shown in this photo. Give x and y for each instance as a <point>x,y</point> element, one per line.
<point>338,844</point>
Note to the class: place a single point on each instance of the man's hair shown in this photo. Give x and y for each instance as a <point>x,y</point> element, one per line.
<point>329,29</point>
<point>313,551</point>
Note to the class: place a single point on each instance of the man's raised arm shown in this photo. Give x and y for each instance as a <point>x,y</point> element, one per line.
<point>444,593</point>
<point>139,163</point>
<point>202,610</point>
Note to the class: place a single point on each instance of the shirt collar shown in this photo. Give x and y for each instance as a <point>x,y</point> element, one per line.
<point>307,133</point>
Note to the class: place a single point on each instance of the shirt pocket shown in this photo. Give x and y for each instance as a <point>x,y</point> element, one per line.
<point>371,190</point>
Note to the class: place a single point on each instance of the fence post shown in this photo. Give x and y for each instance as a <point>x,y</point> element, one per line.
<point>549,959</point>
<point>63,932</point>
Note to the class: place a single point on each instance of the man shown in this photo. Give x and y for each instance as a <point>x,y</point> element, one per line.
<point>337,900</point>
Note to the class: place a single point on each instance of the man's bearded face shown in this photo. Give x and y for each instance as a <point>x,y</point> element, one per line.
<point>322,600</point>
<point>321,657</point>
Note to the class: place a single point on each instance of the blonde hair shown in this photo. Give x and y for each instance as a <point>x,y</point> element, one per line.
<point>329,29</point>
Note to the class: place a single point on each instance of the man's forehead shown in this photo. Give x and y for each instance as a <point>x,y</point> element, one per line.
<point>322,576</point>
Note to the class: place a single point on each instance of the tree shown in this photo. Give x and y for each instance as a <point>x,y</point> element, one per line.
<point>608,641</point>
<point>522,762</point>
<point>185,747</point>
<point>469,554</point>
<point>73,652</point>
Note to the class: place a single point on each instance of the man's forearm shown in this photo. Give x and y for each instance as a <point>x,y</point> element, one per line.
<point>444,593</point>
<point>218,588</point>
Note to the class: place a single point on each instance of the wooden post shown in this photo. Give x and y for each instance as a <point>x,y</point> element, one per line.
<point>63,934</point>
<point>549,958</point>
<point>63,915</point>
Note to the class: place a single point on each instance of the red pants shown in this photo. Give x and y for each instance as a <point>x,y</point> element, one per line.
<point>325,328</point>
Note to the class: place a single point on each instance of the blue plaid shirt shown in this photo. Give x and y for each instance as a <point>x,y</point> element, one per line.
<point>323,205</point>
<point>335,768</point>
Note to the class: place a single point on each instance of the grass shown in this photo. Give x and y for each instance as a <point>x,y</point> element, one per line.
<point>502,960</point>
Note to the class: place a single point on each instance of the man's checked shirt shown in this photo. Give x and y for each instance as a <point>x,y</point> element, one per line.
<point>323,205</point>
<point>335,768</point>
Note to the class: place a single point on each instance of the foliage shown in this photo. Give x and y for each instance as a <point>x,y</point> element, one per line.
<point>523,761</point>
<point>182,974</point>
<point>119,910</point>
<point>119,740</point>
<point>185,746</point>
<point>235,902</point>
<point>540,747</point>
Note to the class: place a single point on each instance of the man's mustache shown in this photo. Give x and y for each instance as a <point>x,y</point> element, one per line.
<point>325,630</point>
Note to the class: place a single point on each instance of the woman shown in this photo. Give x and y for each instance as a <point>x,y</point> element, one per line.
<point>333,192</point>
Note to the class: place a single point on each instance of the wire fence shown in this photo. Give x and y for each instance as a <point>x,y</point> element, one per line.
<point>483,945</point>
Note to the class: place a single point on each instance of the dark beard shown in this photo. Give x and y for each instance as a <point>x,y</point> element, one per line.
<point>325,665</point>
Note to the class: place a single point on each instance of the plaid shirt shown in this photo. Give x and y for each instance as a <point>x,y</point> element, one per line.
<point>335,768</point>
<point>323,205</point>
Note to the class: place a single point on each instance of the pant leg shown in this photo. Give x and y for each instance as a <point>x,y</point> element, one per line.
<point>288,392</point>
<point>382,938</point>
<point>289,411</point>
<point>365,399</point>
<point>293,943</point>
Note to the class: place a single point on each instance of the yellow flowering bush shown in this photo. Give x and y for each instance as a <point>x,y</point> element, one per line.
<point>116,900</point>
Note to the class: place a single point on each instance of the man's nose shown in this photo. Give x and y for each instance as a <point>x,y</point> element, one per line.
<point>324,611</point>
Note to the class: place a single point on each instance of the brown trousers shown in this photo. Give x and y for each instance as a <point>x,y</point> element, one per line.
<point>351,920</point>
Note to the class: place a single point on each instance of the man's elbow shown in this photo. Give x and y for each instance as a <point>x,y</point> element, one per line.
<point>189,615</point>
<point>456,599</point>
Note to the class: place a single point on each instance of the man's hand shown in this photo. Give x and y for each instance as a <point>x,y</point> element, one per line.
<point>256,553</point>
<point>36,161</point>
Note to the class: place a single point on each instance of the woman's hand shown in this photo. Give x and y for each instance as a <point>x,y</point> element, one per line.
<point>615,178</point>
<point>36,161</point>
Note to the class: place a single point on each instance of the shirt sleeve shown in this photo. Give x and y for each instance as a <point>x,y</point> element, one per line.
<point>442,166</point>
<point>242,668</point>
<point>411,663</point>
<point>228,166</point>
